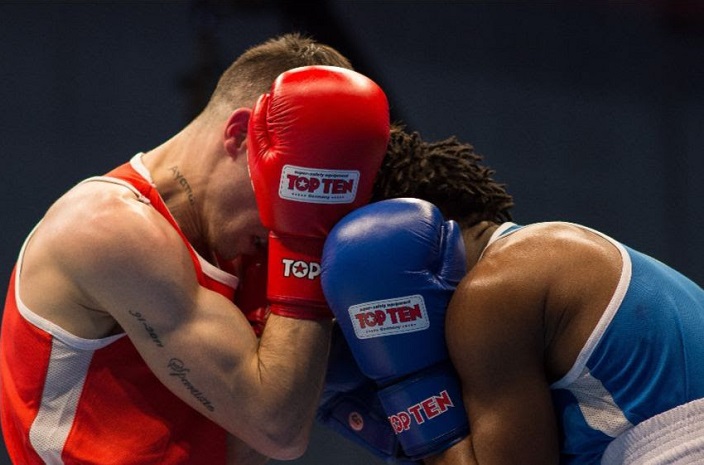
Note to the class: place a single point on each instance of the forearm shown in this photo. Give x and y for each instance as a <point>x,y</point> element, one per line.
<point>292,358</point>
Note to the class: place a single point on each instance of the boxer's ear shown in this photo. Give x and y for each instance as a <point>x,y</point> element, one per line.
<point>236,131</point>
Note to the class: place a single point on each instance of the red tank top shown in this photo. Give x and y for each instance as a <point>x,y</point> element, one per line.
<point>68,400</point>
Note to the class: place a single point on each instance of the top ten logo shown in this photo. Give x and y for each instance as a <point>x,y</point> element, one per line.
<point>313,185</point>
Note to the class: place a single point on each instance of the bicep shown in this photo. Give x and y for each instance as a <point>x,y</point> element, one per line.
<point>195,341</point>
<point>196,348</point>
<point>495,341</point>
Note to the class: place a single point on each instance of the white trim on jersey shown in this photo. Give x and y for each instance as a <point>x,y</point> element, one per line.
<point>65,377</point>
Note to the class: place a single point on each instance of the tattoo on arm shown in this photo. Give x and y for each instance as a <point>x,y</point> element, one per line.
<point>178,369</point>
<point>151,331</point>
<point>176,366</point>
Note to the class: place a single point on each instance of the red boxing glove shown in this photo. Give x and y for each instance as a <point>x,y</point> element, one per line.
<point>315,144</point>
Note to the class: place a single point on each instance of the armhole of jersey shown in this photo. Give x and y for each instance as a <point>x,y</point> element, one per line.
<point>49,327</point>
<point>118,182</point>
<point>216,273</point>
<point>606,318</point>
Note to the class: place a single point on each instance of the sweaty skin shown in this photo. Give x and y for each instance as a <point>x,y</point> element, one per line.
<point>516,324</point>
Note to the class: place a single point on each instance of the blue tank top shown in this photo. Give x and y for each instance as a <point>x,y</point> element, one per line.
<point>645,356</point>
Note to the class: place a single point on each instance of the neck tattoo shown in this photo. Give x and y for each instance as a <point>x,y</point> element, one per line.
<point>183,182</point>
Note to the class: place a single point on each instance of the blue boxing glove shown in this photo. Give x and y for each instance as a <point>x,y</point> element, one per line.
<point>350,406</point>
<point>389,270</point>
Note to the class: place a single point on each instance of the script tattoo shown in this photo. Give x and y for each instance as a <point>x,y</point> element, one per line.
<point>183,182</point>
<point>179,370</point>
<point>147,327</point>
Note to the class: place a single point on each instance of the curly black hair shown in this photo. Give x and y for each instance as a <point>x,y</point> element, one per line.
<point>447,173</point>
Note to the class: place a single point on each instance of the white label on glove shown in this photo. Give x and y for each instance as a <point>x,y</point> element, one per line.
<point>391,316</point>
<point>313,185</point>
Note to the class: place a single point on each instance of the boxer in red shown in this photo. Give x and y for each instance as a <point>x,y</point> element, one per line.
<point>120,340</point>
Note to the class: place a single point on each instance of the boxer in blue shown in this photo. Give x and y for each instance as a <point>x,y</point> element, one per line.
<point>569,346</point>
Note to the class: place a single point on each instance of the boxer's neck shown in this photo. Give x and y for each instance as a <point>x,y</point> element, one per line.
<point>476,238</point>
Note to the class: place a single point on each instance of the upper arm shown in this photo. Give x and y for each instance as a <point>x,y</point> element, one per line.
<point>131,264</point>
<point>102,262</point>
<point>495,338</point>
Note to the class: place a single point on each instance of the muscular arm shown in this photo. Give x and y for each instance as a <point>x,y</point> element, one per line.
<point>131,265</point>
<point>518,322</point>
<point>495,337</point>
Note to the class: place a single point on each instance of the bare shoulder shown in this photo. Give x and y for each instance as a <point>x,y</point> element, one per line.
<point>97,224</point>
<point>542,252</point>
<point>95,242</point>
<point>547,239</point>
<point>540,262</point>
<point>546,284</point>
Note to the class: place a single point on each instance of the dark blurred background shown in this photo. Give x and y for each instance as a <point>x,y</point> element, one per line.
<point>591,111</point>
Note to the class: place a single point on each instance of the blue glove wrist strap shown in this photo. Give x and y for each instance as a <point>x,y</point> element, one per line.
<point>426,411</point>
